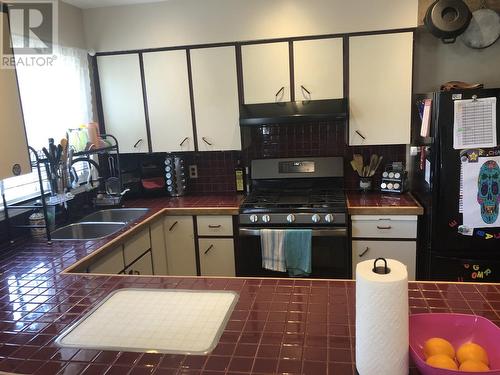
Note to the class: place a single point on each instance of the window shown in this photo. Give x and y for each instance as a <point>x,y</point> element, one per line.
<point>54,99</point>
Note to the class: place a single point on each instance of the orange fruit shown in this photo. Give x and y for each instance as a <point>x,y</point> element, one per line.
<point>442,361</point>
<point>473,366</point>
<point>438,345</point>
<point>472,351</point>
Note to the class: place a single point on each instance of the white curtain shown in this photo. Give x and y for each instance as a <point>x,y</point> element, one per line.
<point>57,97</point>
<point>54,98</point>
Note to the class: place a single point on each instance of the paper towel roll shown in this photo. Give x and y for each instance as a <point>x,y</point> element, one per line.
<point>382,319</point>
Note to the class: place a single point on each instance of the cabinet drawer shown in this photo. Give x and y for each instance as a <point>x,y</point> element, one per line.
<point>216,256</point>
<point>404,226</point>
<point>136,246</point>
<point>403,251</point>
<point>215,225</point>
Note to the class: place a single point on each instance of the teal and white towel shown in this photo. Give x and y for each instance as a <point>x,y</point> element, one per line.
<point>297,246</point>
<point>273,249</point>
<point>288,249</point>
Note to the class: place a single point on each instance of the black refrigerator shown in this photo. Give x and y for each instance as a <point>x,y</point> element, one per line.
<point>448,249</point>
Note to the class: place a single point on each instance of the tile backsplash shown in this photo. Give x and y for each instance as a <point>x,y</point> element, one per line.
<point>313,140</point>
<point>216,169</point>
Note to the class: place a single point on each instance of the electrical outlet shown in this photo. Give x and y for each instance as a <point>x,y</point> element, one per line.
<point>193,171</point>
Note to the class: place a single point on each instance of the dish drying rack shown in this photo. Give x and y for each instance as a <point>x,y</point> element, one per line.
<point>39,161</point>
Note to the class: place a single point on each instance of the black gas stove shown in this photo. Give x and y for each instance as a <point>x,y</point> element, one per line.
<point>290,194</point>
<point>296,191</point>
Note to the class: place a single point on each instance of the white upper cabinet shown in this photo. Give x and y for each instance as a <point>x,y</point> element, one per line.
<point>215,89</point>
<point>266,70</point>
<point>13,144</point>
<point>318,68</point>
<point>122,101</point>
<point>169,103</point>
<point>380,84</point>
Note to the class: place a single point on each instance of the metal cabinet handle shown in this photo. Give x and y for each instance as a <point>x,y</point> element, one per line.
<point>387,227</point>
<point>172,226</point>
<point>282,89</point>
<point>214,226</point>
<point>364,252</point>
<point>183,141</point>
<point>209,248</point>
<point>136,143</point>
<point>361,135</point>
<point>205,140</point>
<point>306,90</point>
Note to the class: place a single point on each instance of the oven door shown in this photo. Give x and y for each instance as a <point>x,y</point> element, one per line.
<point>330,256</point>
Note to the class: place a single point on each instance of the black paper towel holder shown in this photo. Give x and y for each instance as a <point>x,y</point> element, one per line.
<point>381,270</point>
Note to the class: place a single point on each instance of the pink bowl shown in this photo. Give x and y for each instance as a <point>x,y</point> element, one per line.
<point>457,329</point>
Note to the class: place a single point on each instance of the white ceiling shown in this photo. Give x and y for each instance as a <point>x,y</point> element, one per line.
<point>87,4</point>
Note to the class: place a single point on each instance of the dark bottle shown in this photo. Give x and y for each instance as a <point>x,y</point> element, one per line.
<point>239,174</point>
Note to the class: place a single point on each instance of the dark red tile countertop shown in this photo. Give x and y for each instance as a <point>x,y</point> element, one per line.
<point>376,203</point>
<point>279,326</point>
<point>217,204</point>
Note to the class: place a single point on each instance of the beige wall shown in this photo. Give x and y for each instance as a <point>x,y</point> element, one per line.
<point>436,63</point>
<point>181,22</point>
<point>71,31</point>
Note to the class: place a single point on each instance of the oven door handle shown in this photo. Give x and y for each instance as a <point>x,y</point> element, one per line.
<point>334,232</point>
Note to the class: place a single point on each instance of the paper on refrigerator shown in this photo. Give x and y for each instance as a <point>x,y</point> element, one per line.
<point>481,196</point>
<point>474,123</point>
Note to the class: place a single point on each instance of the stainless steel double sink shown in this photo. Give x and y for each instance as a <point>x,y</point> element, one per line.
<point>98,225</point>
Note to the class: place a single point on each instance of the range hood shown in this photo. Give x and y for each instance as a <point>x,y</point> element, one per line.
<point>293,112</point>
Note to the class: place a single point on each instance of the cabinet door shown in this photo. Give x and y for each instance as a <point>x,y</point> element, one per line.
<point>136,246</point>
<point>216,256</point>
<point>13,144</point>
<point>215,89</point>
<point>403,251</point>
<point>179,238</point>
<point>319,69</point>
<point>158,248</point>
<point>169,103</point>
<point>122,101</point>
<point>266,69</point>
<point>141,266</point>
<point>380,84</point>
<point>109,263</point>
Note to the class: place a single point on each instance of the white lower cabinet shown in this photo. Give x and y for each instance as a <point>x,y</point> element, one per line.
<point>386,236</point>
<point>149,243</point>
<point>216,256</point>
<point>141,266</point>
<point>180,248</point>
<point>110,263</point>
<point>403,251</point>
<point>136,246</point>
<point>158,248</point>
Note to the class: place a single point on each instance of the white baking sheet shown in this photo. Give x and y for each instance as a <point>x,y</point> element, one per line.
<point>154,320</point>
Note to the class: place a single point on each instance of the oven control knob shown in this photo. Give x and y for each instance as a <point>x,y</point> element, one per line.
<point>290,218</point>
<point>316,218</point>
<point>329,218</point>
<point>266,218</point>
<point>254,218</point>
